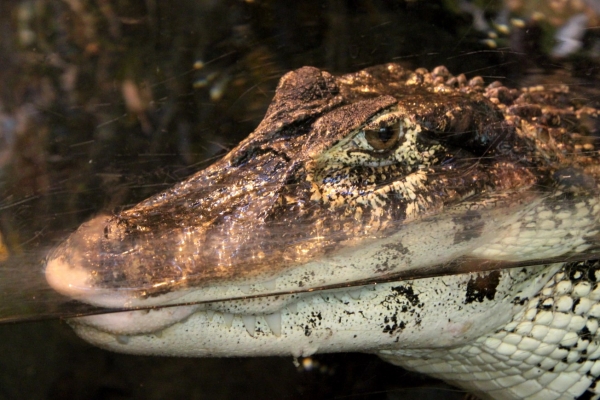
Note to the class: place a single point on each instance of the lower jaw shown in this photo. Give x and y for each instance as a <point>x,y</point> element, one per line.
<point>154,321</point>
<point>299,329</point>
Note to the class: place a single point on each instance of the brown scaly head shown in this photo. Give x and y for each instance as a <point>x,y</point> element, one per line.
<point>344,164</point>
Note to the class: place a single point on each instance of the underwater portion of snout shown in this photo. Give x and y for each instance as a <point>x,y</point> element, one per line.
<point>436,312</point>
<point>70,272</point>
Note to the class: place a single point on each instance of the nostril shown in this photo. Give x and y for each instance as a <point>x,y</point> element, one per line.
<point>97,266</point>
<point>67,270</point>
<point>67,277</point>
<point>71,268</point>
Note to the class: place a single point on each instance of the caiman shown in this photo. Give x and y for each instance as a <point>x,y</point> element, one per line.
<point>347,184</point>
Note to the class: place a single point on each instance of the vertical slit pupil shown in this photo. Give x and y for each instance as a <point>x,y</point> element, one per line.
<point>386,133</point>
<point>384,137</point>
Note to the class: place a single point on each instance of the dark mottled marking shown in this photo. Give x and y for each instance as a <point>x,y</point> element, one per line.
<point>585,334</point>
<point>402,299</point>
<point>398,247</point>
<point>594,271</point>
<point>594,385</point>
<point>547,304</point>
<point>587,395</point>
<point>388,259</point>
<point>408,292</point>
<point>482,287</point>
<point>575,304</point>
<point>392,325</point>
<point>315,319</point>
<point>307,330</point>
<point>520,301</point>
<point>578,271</point>
<point>472,226</point>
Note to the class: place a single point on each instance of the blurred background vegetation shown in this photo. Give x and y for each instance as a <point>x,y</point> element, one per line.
<point>104,102</point>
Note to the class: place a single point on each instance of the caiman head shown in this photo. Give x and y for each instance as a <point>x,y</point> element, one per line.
<point>282,246</point>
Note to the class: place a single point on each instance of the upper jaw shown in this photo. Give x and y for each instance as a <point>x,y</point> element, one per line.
<point>70,269</point>
<point>231,223</point>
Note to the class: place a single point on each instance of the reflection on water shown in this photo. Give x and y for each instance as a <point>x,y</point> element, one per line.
<point>103,105</point>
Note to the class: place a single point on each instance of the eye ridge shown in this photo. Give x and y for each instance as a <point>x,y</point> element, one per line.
<point>385,137</point>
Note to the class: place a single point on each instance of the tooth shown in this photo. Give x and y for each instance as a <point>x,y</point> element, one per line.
<point>270,285</point>
<point>228,319</point>
<point>355,294</point>
<point>245,289</point>
<point>249,323</point>
<point>317,298</point>
<point>123,339</point>
<point>274,322</point>
<point>158,334</point>
<point>339,296</point>
<point>293,307</point>
<point>210,314</point>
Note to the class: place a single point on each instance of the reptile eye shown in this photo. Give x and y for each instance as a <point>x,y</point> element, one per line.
<point>385,137</point>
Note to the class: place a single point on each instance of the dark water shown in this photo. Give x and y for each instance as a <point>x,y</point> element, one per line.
<point>104,103</point>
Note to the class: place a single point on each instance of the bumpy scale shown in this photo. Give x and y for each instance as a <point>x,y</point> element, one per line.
<point>358,179</point>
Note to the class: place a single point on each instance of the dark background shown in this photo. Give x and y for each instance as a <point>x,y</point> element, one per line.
<point>105,102</point>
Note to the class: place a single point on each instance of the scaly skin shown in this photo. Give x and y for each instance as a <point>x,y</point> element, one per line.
<point>364,177</point>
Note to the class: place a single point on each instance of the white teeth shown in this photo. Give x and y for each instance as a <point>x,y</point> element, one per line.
<point>228,319</point>
<point>339,296</point>
<point>274,322</point>
<point>325,297</point>
<point>293,307</point>
<point>318,298</point>
<point>249,323</point>
<point>123,339</point>
<point>210,314</point>
<point>355,294</point>
<point>270,285</point>
<point>245,289</point>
